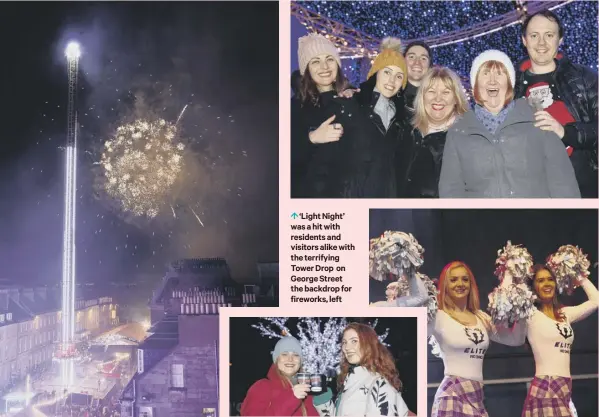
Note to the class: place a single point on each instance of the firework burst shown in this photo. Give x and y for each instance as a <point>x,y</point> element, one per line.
<point>141,165</point>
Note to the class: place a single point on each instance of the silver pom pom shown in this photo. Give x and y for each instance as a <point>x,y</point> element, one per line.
<point>570,265</point>
<point>516,260</point>
<point>395,253</point>
<point>510,304</point>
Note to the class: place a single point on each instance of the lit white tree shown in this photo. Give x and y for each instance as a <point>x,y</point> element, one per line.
<point>319,339</point>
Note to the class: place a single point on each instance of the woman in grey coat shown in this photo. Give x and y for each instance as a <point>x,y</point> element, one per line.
<point>496,150</point>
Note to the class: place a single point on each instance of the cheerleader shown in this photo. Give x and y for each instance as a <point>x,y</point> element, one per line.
<point>551,336</point>
<point>460,333</point>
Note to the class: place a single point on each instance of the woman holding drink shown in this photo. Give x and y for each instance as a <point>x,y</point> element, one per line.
<point>278,394</point>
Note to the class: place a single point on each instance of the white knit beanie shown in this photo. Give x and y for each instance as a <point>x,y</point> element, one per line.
<point>492,55</point>
<point>313,45</point>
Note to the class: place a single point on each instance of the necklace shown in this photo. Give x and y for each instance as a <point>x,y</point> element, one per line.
<point>442,127</point>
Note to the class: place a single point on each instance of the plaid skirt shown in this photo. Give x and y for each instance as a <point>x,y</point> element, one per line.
<point>549,396</point>
<point>459,397</point>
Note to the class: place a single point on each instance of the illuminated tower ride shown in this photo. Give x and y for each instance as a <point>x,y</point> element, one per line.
<point>67,349</point>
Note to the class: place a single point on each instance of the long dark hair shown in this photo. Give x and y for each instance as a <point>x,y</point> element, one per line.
<point>557,306</point>
<point>308,91</point>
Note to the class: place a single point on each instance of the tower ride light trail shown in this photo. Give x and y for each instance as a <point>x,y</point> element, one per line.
<point>67,349</point>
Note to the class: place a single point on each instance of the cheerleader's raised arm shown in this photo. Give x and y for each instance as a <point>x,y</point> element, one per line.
<point>398,255</point>
<point>512,302</point>
<point>418,296</point>
<point>510,336</point>
<point>582,311</point>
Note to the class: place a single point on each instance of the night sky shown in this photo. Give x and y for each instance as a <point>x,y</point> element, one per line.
<point>221,59</point>
<point>250,353</point>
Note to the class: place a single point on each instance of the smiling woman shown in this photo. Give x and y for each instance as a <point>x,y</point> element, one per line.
<point>279,394</point>
<point>439,101</point>
<point>369,382</point>
<point>344,142</point>
<point>496,150</point>
<point>461,331</point>
<point>551,336</point>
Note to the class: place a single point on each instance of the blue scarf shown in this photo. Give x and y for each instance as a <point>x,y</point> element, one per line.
<point>490,121</point>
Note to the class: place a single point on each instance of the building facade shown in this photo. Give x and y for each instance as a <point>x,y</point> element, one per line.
<point>177,371</point>
<point>30,323</point>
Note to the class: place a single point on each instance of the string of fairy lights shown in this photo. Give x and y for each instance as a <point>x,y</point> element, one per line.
<point>422,20</point>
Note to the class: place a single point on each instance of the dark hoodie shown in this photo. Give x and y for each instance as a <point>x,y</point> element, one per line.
<point>577,88</point>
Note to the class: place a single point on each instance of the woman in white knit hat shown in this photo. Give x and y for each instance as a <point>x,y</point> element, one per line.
<point>277,395</point>
<point>328,134</point>
<point>495,150</point>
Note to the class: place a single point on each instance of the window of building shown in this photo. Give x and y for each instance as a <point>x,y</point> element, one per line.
<point>177,377</point>
<point>209,412</point>
<point>146,412</point>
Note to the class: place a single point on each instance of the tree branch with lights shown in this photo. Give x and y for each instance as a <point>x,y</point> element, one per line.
<point>319,340</point>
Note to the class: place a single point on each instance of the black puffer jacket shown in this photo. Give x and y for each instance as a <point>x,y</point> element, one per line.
<point>577,85</point>
<point>410,94</point>
<point>424,168</point>
<point>381,181</point>
<point>329,170</point>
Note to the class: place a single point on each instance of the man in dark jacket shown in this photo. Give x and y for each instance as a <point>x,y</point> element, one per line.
<point>565,94</point>
<point>418,59</point>
<point>296,81</point>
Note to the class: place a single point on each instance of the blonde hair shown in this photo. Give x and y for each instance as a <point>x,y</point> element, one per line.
<point>493,65</point>
<point>473,304</point>
<point>451,81</point>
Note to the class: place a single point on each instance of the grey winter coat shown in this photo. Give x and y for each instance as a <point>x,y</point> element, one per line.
<point>518,161</point>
